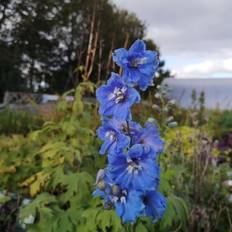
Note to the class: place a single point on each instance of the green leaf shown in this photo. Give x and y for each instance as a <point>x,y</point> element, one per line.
<point>175,214</point>
<point>39,208</point>
<point>141,228</point>
<point>4,199</point>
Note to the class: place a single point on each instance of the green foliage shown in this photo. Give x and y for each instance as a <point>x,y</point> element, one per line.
<point>61,162</point>
<point>55,167</point>
<point>192,175</point>
<point>220,122</point>
<point>181,141</point>
<point>18,122</point>
<point>176,215</point>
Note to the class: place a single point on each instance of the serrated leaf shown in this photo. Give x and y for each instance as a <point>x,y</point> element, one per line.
<point>36,182</point>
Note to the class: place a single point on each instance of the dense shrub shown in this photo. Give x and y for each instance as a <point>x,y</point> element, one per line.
<point>18,122</point>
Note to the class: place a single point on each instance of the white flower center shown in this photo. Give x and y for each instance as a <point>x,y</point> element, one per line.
<point>110,135</point>
<point>133,166</point>
<point>118,95</point>
<point>138,61</point>
<point>122,197</point>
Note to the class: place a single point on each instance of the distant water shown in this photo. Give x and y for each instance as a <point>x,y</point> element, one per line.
<point>218,92</point>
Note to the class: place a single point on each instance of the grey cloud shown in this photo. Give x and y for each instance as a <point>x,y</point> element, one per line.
<point>200,27</point>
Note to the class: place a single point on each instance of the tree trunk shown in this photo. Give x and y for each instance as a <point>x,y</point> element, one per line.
<point>100,61</point>
<point>90,41</point>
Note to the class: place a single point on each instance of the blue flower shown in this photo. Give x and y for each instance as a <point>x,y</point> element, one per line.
<point>129,205</point>
<point>155,205</point>
<point>116,98</point>
<point>135,170</point>
<point>149,136</point>
<point>113,137</point>
<point>139,65</point>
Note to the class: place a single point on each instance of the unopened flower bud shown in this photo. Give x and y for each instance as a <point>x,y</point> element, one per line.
<point>150,119</point>
<point>165,109</point>
<point>172,124</point>
<point>156,107</point>
<point>172,102</point>
<point>170,119</point>
<point>101,185</point>
<point>100,175</point>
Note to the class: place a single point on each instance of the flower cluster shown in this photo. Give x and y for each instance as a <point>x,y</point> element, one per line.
<point>130,181</point>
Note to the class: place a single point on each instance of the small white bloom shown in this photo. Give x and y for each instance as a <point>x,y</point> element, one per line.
<point>29,220</point>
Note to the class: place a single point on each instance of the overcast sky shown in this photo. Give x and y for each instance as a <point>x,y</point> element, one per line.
<point>195,36</point>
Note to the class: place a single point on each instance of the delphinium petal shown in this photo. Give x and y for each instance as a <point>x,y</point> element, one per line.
<point>155,205</point>
<point>129,205</point>
<point>149,136</point>
<point>111,134</point>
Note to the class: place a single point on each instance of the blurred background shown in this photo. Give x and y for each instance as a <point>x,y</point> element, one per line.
<point>47,46</point>
<point>53,56</point>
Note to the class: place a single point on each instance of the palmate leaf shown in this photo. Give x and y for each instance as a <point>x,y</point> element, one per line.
<point>52,218</point>
<point>55,152</point>
<point>108,219</point>
<point>36,182</point>
<point>39,208</point>
<point>75,184</point>
<point>88,222</point>
<point>46,221</point>
<point>65,221</point>
<point>99,219</point>
<point>176,214</point>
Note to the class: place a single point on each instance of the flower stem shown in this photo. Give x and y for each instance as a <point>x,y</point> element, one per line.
<point>128,130</point>
<point>133,227</point>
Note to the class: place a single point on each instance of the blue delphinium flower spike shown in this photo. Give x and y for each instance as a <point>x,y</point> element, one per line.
<point>116,98</point>
<point>114,140</point>
<point>139,65</point>
<point>130,181</point>
<point>135,170</point>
